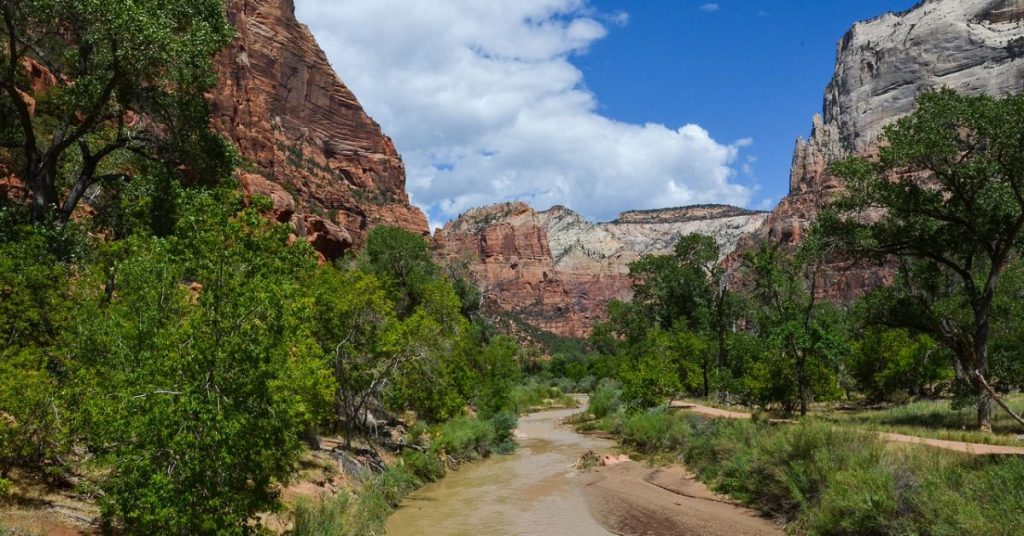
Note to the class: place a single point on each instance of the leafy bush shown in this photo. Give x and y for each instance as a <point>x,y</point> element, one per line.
<point>606,400</point>
<point>465,438</point>
<point>655,430</point>
<point>426,466</point>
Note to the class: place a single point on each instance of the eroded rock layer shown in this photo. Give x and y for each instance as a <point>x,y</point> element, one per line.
<point>308,144</point>
<point>557,271</point>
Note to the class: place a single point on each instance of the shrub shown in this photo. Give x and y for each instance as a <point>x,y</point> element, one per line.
<point>655,430</point>
<point>606,400</point>
<point>425,466</point>
<point>465,438</point>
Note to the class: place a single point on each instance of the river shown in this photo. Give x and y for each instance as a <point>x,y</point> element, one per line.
<point>528,492</point>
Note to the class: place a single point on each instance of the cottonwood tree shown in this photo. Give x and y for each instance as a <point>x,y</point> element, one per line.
<point>947,198</point>
<point>87,83</point>
<point>805,334</point>
<point>686,292</point>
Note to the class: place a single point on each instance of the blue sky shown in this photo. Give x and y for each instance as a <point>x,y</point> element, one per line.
<point>599,105</point>
<point>746,69</point>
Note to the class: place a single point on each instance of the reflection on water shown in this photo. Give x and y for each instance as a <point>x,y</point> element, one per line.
<point>525,493</point>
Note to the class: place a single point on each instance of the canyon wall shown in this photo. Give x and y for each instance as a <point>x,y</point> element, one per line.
<point>306,141</point>
<point>975,47</point>
<point>557,271</point>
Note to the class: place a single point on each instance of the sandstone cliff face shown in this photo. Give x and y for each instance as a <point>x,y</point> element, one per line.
<point>309,145</point>
<point>506,248</point>
<point>973,46</point>
<point>558,271</point>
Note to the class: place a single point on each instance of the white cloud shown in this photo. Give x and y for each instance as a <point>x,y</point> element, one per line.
<point>485,105</point>
<point>710,8</point>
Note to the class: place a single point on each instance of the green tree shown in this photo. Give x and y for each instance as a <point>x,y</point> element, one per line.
<point>124,79</point>
<point>686,291</point>
<point>193,370</point>
<point>945,201</point>
<point>33,314</point>
<point>359,336</point>
<point>402,260</point>
<point>806,334</point>
<point>497,369</point>
<point>886,362</point>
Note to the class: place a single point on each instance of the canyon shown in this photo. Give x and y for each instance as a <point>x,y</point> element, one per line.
<point>557,271</point>
<point>571,268</point>
<point>332,173</point>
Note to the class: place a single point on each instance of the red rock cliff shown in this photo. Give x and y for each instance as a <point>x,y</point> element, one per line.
<point>506,248</point>
<point>308,143</point>
<point>557,271</point>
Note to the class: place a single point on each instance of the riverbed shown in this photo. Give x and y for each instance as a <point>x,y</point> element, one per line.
<point>536,491</point>
<point>529,492</point>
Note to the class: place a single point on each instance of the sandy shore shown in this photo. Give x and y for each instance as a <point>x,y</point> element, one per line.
<point>630,499</point>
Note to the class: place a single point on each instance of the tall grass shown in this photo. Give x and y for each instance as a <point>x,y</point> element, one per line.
<point>540,396</point>
<point>936,419</point>
<point>832,481</point>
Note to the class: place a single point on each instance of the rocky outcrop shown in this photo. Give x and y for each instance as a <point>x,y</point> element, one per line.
<point>972,46</point>
<point>507,251</point>
<point>304,135</point>
<point>558,271</point>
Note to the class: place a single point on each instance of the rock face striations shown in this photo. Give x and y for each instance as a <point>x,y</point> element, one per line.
<point>557,271</point>
<point>972,46</point>
<point>309,146</point>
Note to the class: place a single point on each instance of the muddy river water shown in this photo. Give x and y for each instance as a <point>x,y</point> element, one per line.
<point>529,492</point>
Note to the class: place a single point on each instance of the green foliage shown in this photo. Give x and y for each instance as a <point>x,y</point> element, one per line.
<point>328,516</point>
<point>606,399</point>
<point>196,398</point>
<point>887,363</point>
<point>111,62</point>
<point>403,261</point>
<point>950,192</point>
<point>828,481</point>
<point>804,338</point>
<point>654,430</point>
<point>31,317</point>
<point>498,371</point>
<point>535,396</point>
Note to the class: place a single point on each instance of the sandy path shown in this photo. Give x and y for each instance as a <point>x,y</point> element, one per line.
<point>632,500</point>
<point>976,449</point>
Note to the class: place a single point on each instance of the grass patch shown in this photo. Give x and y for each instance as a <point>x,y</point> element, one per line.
<point>935,419</point>
<point>539,397</point>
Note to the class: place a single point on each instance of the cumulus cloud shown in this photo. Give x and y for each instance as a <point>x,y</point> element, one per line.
<point>485,105</point>
<point>710,8</point>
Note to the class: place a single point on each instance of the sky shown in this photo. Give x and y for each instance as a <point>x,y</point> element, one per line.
<point>599,105</point>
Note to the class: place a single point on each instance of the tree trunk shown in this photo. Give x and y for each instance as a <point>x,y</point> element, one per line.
<point>984,411</point>
<point>707,365</point>
<point>801,381</point>
<point>981,369</point>
<point>44,193</point>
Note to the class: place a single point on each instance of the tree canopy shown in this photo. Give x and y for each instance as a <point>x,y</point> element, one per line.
<point>92,86</point>
<point>944,200</point>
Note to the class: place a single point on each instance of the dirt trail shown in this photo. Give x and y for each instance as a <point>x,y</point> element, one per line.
<point>630,499</point>
<point>976,449</point>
